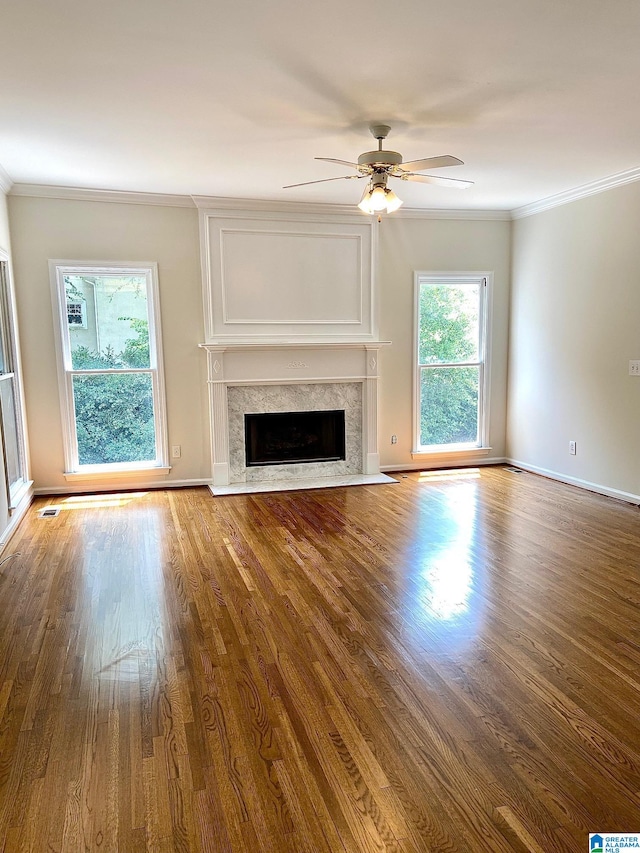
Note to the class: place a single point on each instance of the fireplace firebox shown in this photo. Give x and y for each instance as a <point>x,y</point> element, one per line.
<point>285,438</point>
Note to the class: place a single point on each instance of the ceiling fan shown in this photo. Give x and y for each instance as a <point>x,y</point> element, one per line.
<point>381,165</point>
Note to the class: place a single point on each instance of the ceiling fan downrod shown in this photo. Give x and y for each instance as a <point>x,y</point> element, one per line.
<point>380,157</point>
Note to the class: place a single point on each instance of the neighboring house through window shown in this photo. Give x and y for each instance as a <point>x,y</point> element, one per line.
<point>77,314</point>
<point>110,366</point>
<point>451,370</point>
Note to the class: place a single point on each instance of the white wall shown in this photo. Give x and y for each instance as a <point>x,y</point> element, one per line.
<point>44,228</point>
<point>575,323</point>
<point>407,245</point>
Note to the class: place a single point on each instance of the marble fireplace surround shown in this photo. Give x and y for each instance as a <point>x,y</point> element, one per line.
<point>293,376</point>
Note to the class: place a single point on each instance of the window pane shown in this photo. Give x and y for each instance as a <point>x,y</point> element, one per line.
<point>5,356</point>
<point>107,321</point>
<point>114,418</point>
<point>449,323</point>
<point>449,405</point>
<point>10,431</point>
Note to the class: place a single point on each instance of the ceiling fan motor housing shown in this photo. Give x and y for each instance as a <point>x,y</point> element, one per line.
<point>380,158</point>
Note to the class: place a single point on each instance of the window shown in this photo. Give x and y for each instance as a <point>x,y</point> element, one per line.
<point>450,388</point>
<point>12,439</point>
<point>110,365</point>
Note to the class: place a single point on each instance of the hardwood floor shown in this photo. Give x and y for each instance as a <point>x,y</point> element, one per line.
<point>448,664</point>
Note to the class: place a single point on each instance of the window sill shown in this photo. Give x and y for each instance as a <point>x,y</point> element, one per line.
<point>18,495</point>
<point>440,454</point>
<point>99,473</point>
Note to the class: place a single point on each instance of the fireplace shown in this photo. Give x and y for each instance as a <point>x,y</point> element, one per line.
<point>281,438</point>
<point>278,378</point>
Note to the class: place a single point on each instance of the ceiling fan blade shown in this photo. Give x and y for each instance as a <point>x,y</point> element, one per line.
<point>324,181</point>
<point>340,162</point>
<point>441,182</point>
<point>430,163</point>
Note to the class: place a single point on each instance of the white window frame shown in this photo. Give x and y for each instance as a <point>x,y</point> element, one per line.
<point>17,490</point>
<point>472,449</point>
<point>58,269</point>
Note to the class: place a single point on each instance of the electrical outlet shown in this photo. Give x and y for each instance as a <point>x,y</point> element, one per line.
<point>634,368</point>
<point>394,439</point>
<point>176,452</point>
<point>572,448</point>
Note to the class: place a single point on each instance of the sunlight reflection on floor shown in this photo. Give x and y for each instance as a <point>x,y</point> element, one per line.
<point>437,476</point>
<point>97,501</point>
<point>447,570</point>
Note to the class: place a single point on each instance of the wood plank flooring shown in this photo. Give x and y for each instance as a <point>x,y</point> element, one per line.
<point>448,664</point>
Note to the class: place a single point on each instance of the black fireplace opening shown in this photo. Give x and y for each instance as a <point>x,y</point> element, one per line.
<point>283,438</point>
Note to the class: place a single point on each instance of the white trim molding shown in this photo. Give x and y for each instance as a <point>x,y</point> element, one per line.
<point>131,485</point>
<point>117,196</point>
<point>439,458</point>
<point>461,461</point>
<point>229,205</point>
<point>91,474</point>
<point>451,213</point>
<point>17,515</point>
<point>268,275</point>
<point>592,188</point>
<point>240,206</point>
<point>618,494</point>
<point>266,206</point>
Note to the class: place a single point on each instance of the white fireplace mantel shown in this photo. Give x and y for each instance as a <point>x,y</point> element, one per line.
<point>287,362</point>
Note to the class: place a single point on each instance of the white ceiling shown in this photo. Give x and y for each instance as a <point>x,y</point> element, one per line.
<point>235,99</point>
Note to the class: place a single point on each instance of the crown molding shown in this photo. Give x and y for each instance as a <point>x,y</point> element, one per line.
<point>220,204</point>
<point>351,210</point>
<point>236,204</point>
<point>119,196</point>
<point>449,213</point>
<point>5,181</point>
<point>593,188</point>
<point>205,202</point>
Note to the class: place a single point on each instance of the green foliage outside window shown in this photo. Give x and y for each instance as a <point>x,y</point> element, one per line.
<point>448,334</point>
<point>114,412</point>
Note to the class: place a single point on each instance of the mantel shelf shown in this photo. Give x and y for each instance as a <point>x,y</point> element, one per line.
<point>256,346</point>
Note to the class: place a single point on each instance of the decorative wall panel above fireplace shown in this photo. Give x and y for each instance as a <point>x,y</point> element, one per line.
<point>273,276</point>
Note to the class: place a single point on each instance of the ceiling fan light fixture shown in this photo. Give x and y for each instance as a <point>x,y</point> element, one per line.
<point>378,199</point>
<point>393,202</point>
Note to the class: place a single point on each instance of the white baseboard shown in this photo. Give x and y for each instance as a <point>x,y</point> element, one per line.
<point>450,463</point>
<point>121,486</point>
<point>16,517</point>
<point>575,481</point>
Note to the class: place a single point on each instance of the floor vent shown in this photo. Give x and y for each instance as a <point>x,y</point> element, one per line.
<point>49,512</point>
<point>514,470</point>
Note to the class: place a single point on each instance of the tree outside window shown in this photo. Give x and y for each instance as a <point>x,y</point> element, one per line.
<point>450,361</point>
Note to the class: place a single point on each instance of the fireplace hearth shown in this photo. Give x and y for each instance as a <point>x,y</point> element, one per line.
<point>282,438</point>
